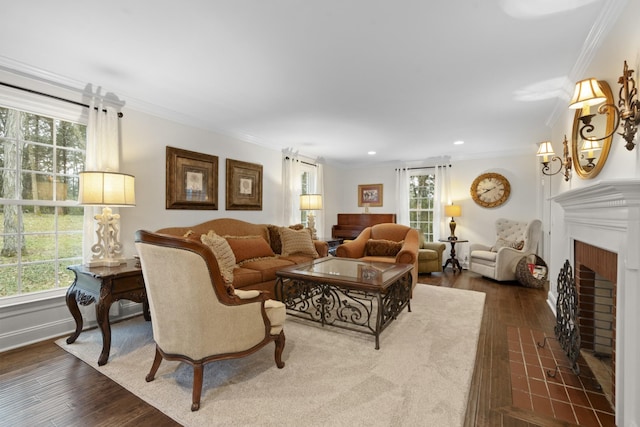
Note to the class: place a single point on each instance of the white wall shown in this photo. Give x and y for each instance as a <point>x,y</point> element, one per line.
<point>144,138</point>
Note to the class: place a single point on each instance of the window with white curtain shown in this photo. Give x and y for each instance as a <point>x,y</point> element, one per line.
<point>422,189</point>
<point>40,220</point>
<point>308,176</point>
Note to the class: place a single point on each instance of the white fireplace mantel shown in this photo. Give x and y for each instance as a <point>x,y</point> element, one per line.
<point>607,215</point>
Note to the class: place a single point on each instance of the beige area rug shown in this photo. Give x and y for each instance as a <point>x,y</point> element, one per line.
<point>420,376</point>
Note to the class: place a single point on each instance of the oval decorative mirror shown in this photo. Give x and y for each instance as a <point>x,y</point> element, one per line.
<point>589,156</point>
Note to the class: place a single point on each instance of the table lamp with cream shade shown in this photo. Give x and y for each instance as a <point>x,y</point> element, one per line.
<point>106,189</point>
<point>452,211</point>
<point>311,202</point>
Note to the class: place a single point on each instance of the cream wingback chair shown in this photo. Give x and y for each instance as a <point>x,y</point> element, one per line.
<point>515,239</point>
<point>196,318</point>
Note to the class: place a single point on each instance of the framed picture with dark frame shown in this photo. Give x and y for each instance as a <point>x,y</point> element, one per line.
<point>192,180</point>
<point>370,195</point>
<point>244,186</point>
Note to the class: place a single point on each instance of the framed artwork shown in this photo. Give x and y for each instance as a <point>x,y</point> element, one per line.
<point>192,180</point>
<point>370,195</point>
<point>244,186</point>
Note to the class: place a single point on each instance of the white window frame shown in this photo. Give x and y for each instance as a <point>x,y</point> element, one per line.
<point>311,185</point>
<point>57,109</point>
<point>415,224</point>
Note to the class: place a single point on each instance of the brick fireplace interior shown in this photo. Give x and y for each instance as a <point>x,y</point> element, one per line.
<point>595,277</point>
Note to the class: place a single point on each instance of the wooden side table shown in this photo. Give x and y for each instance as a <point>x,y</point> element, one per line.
<point>104,285</point>
<point>455,264</point>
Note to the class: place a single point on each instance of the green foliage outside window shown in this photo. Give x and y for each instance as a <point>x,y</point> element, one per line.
<point>40,224</point>
<point>421,195</point>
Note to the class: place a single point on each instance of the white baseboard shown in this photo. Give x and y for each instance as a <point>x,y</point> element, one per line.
<point>35,321</point>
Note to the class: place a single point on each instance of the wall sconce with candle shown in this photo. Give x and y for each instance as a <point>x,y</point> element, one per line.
<point>311,202</point>
<point>589,148</point>
<point>545,151</point>
<point>106,189</point>
<point>588,93</point>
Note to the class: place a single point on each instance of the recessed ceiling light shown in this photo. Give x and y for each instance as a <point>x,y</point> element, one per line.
<point>371,153</point>
<point>458,143</point>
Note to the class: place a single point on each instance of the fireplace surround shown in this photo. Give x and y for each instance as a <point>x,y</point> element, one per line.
<point>606,215</point>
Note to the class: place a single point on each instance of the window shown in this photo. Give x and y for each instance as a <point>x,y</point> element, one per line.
<point>421,198</point>
<point>307,186</point>
<point>40,222</point>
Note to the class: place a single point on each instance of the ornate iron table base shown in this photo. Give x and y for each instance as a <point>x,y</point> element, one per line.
<point>344,307</point>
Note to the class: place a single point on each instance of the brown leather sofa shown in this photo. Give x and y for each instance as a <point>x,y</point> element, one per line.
<point>254,270</point>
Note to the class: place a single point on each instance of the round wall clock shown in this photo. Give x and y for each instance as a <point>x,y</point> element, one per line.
<point>490,190</point>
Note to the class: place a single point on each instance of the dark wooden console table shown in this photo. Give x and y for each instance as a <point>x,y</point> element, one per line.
<point>104,285</point>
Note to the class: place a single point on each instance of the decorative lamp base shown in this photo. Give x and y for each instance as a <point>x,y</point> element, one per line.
<point>107,251</point>
<point>452,227</point>
<point>311,224</point>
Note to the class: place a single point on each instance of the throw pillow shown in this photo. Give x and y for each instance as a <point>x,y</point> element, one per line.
<point>381,247</point>
<point>223,253</point>
<point>297,242</point>
<point>274,236</point>
<point>503,243</point>
<point>249,247</point>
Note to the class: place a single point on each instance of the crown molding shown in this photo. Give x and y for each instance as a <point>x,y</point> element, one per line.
<point>611,10</point>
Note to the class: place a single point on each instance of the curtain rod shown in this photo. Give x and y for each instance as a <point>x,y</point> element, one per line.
<point>52,96</point>
<point>423,167</point>
<point>301,161</point>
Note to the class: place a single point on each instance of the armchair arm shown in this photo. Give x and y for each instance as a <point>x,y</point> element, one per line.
<point>409,252</point>
<point>507,258</point>
<point>354,248</point>
<point>246,294</point>
<point>478,247</point>
<point>434,246</point>
<point>321,247</point>
<point>240,297</point>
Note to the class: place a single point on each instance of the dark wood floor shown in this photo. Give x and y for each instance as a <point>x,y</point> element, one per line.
<point>43,385</point>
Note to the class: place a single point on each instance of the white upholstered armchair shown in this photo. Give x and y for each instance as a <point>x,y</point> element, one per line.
<point>514,240</point>
<point>196,318</point>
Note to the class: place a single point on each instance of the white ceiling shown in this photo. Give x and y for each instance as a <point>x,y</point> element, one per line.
<point>332,78</point>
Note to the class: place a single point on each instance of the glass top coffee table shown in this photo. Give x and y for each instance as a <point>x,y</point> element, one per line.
<point>346,293</point>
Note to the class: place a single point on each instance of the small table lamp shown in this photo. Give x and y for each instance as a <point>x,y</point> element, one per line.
<point>452,211</point>
<point>106,189</point>
<point>311,202</point>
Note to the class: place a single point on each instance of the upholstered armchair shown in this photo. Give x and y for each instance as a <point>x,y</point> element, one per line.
<point>430,255</point>
<point>391,243</point>
<point>515,239</point>
<point>196,317</point>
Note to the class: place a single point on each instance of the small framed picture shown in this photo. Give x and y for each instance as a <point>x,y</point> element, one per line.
<point>370,195</point>
<point>192,180</point>
<point>244,186</point>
